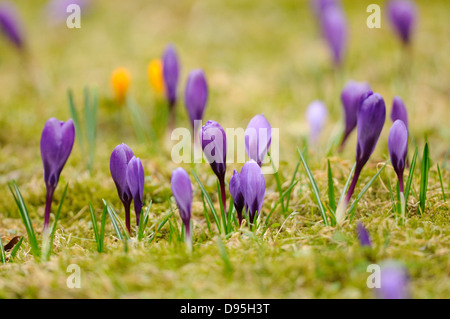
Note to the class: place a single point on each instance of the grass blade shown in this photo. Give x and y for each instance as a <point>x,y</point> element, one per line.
<point>347,184</point>
<point>94,226</point>
<point>331,197</point>
<point>143,222</point>
<point>411,174</point>
<point>442,184</point>
<point>2,252</point>
<point>15,249</point>
<point>424,168</point>
<point>102,229</point>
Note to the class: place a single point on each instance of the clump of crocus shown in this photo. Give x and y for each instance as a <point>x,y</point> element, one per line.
<point>398,111</point>
<point>402,16</point>
<point>10,24</point>
<point>371,117</point>
<point>351,98</point>
<point>171,70</point>
<point>196,95</point>
<point>316,116</point>
<point>334,29</point>
<point>258,136</point>
<point>56,144</point>
<point>214,146</point>
<point>363,235</point>
<point>398,147</point>
<point>120,82</point>
<point>253,185</point>
<point>237,195</point>
<point>120,158</point>
<point>155,76</point>
<point>394,281</point>
<point>182,192</point>
<point>135,181</point>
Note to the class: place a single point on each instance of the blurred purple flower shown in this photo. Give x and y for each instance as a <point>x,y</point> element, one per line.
<point>171,70</point>
<point>253,185</point>
<point>56,145</point>
<point>363,235</point>
<point>320,6</point>
<point>258,136</point>
<point>57,9</point>
<point>316,115</point>
<point>237,195</point>
<point>182,192</point>
<point>351,98</point>
<point>118,165</point>
<point>398,111</point>
<point>402,15</point>
<point>11,25</point>
<point>334,29</point>
<point>398,147</point>
<point>394,281</point>
<point>136,180</point>
<point>196,95</point>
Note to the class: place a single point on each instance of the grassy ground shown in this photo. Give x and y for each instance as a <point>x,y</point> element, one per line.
<point>259,57</point>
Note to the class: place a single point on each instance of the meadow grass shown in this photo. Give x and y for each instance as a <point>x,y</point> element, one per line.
<point>259,57</point>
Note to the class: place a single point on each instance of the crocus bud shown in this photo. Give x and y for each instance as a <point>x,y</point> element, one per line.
<point>253,185</point>
<point>334,29</point>
<point>182,192</point>
<point>135,180</point>
<point>10,24</point>
<point>394,281</point>
<point>155,76</point>
<point>316,115</point>
<point>120,81</point>
<point>398,146</point>
<point>398,111</point>
<point>214,145</point>
<point>402,15</point>
<point>351,98</point>
<point>56,144</point>
<point>118,164</point>
<point>363,235</point>
<point>170,74</point>
<point>258,136</point>
<point>237,195</point>
<point>196,95</point>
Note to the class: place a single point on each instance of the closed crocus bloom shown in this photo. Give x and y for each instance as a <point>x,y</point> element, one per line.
<point>402,15</point>
<point>351,98</point>
<point>196,95</point>
<point>118,165</point>
<point>334,29</point>
<point>316,115</point>
<point>398,146</point>
<point>398,111</point>
<point>135,180</point>
<point>56,144</point>
<point>155,76</point>
<point>237,195</point>
<point>258,136</point>
<point>363,235</point>
<point>120,81</point>
<point>10,24</point>
<point>182,192</point>
<point>214,145</point>
<point>394,281</point>
<point>253,185</point>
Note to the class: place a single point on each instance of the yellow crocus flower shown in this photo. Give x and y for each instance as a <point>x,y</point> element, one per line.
<point>120,81</point>
<point>155,76</point>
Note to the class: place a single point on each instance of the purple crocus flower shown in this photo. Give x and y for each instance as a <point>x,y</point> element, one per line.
<point>253,185</point>
<point>196,95</point>
<point>118,164</point>
<point>351,98</point>
<point>316,115</point>
<point>402,15</point>
<point>334,29</point>
<point>363,235</point>
<point>182,192</point>
<point>56,144</point>
<point>171,70</point>
<point>394,281</point>
<point>10,24</point>
<point>320,6</point>
<point>214,145</point>
<point>237,195</point>
<point>398,146</point>
<point>258,136</point>
<point>371,117</point>
<point>135,181</point>
<point>57,9</point>
<point>398,111</point>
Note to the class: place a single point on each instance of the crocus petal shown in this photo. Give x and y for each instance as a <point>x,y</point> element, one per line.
<point>399,111</point>
<point>10,24</point>
<point>253,185</point>
<point>363,235</point>
<point>214,145</point>
<point>394,281</point>
<point>118,164</point>
<point>182,192</point>
<point>171,71</point>
<point>316,115</point>
<point>402,15</point>
<point>196,95</point>
<point>136,178</point>
<point>334,28</point>
<point>236,192</point>
<point>258,136</point>
<point>398,147</point>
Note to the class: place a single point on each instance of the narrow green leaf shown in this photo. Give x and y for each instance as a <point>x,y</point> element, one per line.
<point>94,227</point>
<point>424,168</point>
<point>347,184</point>
<point>15,249</point>
<point>2,252</point>
<point>442,184</point>
<point>143,222</point>
<point>277,179</point>
<point>411,174</point>
<point>224,255</point>
<point>331,198</point>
